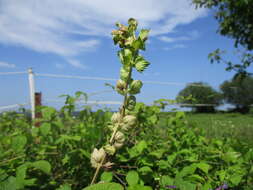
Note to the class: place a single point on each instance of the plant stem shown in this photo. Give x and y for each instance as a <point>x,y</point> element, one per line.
<point>122,114</point>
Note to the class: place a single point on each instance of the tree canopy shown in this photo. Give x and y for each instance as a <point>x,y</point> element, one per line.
<point>235,21</point>
<point>199,95</point>
<point>239,92</point>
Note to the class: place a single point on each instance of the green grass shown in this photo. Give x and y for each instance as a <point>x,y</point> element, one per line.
<point>224,124</point>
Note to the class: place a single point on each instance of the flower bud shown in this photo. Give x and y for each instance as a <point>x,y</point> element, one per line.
<point>118,145</point>
<point>119,137</point>
<point>97,156</point>
<point>120,86</point>
<point>132,22</point>
<point>110,149</point>
<point>115,117</point>
<point>135,87</point>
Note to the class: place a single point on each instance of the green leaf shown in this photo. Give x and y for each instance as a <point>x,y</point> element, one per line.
<point>138,44</point>
<point>139,187</point>
<point>132,178</point>
<point>204,167</point>
<point>18,143</point>
<point>138,149</point>
<point>45,129</point>
<point>105,186</point>
<point>141,64</point>
<point>207,186</point>
<point>64,187</point>
<point>230,156</point>
<point>221,174</point>
<point>48,113</point>
<point>187,170</point>
<point>9,184</point>
<point>235,179</point>
<point>145,170</point>
<point>42,165</point>
<point>106,176</point>
<point>158,153</point>
<point>166,180</point>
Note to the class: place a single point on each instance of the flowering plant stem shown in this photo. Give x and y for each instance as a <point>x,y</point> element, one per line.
<point>123,121</point>
<point>122,114</point>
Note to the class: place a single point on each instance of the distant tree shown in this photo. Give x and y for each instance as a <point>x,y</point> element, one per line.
<point>239,92</point>
<point>235,18</point>
<point>198,94</point>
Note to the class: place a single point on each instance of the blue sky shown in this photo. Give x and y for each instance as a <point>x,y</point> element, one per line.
<point>72,37</point>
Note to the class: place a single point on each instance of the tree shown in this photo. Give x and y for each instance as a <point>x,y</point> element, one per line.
<point>235,21</point>
<point>239,92</point>
<point>200,96</point>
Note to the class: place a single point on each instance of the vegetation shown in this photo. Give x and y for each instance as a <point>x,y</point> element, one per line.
<point>239,92</point>
<point>235,21</point>
<point>135,148</point>
<point>199,95</point>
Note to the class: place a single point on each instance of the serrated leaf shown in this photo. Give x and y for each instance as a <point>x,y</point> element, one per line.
<point>166,180</point>
<point>204,167</point>
<point>132,178</point>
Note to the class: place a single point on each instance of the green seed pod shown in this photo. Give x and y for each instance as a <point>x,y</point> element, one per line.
<point>135,87</point>
<point>115,117</point>
<point>119,137</point>
<point>131,102</point>
<point>97,156</point>
<point>118,145</point>
<point>120,87</point>
<point>129,122</point>
<point>124,74</point>
<point>110,149</point>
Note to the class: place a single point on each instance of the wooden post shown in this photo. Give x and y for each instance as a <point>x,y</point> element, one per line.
<point>38,114</point>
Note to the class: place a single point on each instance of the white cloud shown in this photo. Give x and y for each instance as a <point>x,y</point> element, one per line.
<point>7,65</point>
<point>76,63</point>
<point>68,27</point>
<point>176,46</point>
<point>191,36</point>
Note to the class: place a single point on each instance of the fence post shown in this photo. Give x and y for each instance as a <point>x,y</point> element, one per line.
<point>32,92</point>
<point>38,114</point>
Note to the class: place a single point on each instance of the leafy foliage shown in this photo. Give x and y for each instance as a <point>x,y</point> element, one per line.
<point>199,93</point>
<point>235,21</point>
<point>239,91</point>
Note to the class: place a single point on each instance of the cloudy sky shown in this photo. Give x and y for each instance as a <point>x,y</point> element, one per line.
<point>72,37</point>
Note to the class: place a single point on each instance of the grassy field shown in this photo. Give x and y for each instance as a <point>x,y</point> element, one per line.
<point>224,124</point>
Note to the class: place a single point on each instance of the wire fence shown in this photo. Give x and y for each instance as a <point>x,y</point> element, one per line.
<point>31,80</point>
